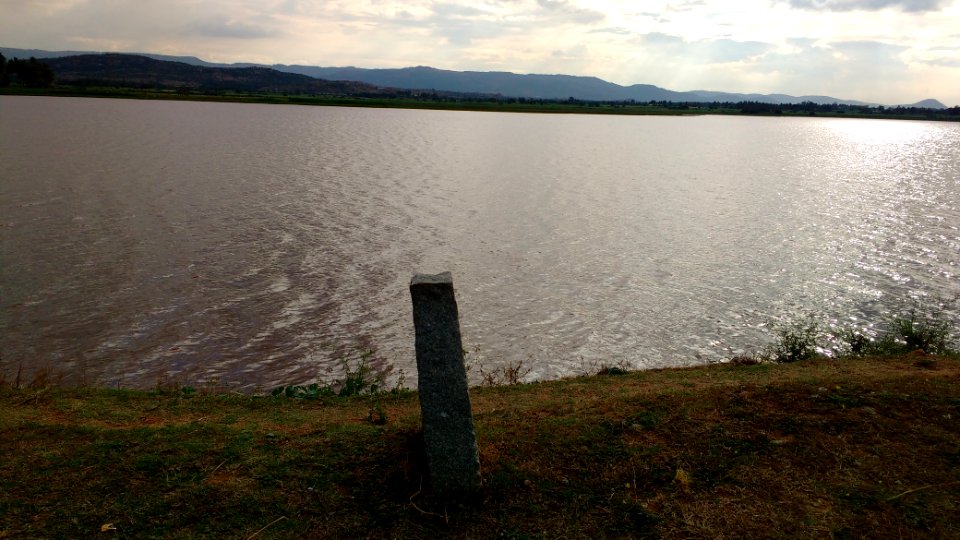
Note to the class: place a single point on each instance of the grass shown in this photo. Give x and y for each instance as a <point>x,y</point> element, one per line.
<point>554,107</point>
<point>528,106</point>
<point>862,447</point>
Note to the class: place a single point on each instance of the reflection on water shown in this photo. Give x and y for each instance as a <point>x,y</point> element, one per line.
<point>150,241</point>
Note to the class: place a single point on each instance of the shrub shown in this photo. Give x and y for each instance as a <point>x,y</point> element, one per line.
<point>359,378</point>
<point>853,342</point>
<point>795,343</point>
<point>927,334</point>
<point>505,375</point>
<point>622,367</point>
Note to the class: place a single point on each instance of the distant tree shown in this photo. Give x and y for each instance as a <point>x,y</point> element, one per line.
<point>4,80</point>
<point>31,73</point>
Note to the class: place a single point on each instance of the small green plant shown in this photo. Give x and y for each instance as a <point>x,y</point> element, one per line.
<point>918,330</point>
<point>926,333</point>
<point>795,343</point>
<point>310,391</point>
<point>376,415</point>
<point>851,342</point>
<point>400,387</point>
<point>359,379</point>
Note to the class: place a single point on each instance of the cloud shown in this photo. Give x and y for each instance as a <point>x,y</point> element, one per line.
<point>688,5</point>
<point>706,50</point>
<point>461,25</point>
<point>616,30</point>
<point>563,11</point>
<point>908,6</point>
<point>456,10</point>
<point>224,27</point>
<point>864,70</point>
<point>944,62</point>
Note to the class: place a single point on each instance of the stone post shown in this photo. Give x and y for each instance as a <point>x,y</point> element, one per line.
<point>451,443</point>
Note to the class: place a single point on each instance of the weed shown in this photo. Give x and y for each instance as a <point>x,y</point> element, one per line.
<point>310,391</point>
<point>359,379</point>
<point>796,342</point>
<point>620,368</point>
<point>376,415</point>
<point>745,360</point>
<point>504,375</point>
<point>852,342</point>
<point>926,333</point>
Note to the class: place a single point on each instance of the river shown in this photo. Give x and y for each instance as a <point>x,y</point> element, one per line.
<point>145,242</point>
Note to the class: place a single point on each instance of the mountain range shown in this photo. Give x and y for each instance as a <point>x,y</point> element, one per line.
<point>140,71</point>
<point>507,84</point>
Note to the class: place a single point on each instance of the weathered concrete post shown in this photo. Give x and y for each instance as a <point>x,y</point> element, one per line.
<point>448,434</point>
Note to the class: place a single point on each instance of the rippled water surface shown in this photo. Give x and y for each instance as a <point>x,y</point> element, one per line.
<point>256,244</point>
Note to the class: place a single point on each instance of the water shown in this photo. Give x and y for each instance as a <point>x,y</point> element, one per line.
<point>254,245</point>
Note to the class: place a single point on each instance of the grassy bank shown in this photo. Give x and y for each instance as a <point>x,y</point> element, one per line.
<point>813,449</point>
<point>366,102</point>
<point>482,105</point>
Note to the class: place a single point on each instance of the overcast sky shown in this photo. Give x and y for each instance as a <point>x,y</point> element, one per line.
<point>882,51</point>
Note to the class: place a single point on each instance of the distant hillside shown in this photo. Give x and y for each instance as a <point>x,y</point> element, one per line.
<point>499,83</point>
<point>928,104</point>
<point>537,86</point>
<point>143,72</point>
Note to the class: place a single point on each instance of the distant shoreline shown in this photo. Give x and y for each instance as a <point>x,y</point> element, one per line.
<point>506,106</point>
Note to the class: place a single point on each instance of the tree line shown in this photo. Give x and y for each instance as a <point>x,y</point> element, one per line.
<point>31,73</point>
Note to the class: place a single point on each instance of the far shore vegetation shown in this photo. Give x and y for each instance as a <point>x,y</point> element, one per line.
<point>34,77</point>
<point>825,434</point>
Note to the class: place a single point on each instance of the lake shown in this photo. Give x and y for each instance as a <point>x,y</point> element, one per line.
<point>146,242</point>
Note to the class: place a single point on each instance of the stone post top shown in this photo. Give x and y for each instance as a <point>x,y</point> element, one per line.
<point>432,279</point>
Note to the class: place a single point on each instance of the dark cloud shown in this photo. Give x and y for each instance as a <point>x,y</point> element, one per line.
<point>909,6</point>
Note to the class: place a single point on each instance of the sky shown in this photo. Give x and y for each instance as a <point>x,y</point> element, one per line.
<point>881,51</point>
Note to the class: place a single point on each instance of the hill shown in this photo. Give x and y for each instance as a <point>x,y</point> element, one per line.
<point>535,86</point>
<point>143,72</point>
<point>529,86</point>
<point>928,104</point>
